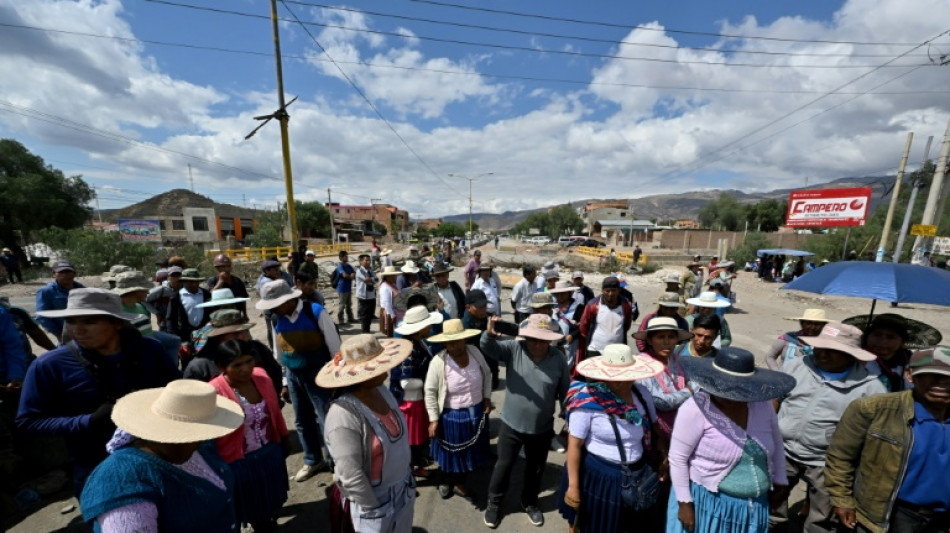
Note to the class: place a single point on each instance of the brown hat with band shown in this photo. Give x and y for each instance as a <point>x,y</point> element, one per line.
<point>842,338</point>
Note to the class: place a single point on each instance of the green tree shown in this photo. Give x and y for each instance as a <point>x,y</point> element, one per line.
<point>92,251</point>
<point>540,221</point>
<point>380,228</point>
<point>766,215</point>
<point>449,230</point>
<point>36,195</point>
<point>313,220</point>
<point>564,221</point>
<point>269,230</point>
<point>753,242</point>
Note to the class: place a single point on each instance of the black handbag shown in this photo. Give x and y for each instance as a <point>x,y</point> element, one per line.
<point>640,488</point>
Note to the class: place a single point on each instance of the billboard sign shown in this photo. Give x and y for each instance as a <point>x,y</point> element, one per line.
<point>941,246</point>
<point>140,230</point>
<point>828,207</point>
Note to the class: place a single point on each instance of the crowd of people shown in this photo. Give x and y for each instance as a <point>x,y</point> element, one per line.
<point>667,426</point>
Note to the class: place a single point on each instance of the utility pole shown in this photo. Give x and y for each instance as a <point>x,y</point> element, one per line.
<point>330,209</point>
<point>471,231</point>
<point>98,211</point>
<point>908,212</point>
<point>936,193</point>
<point>191,178</point>
<point>894,194</point>
<point>284,118</point>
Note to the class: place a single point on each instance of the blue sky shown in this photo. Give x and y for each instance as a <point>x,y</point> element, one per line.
<point>574,100</point>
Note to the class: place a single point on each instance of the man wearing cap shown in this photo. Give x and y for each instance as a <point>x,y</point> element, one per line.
<point>184,314</point>
<point>365,292</point>
<point>158,297</point>
<point>537,381</point>
<point>309,265</point>
<point>606,320</point>
<point>70,391</point>
<point>344,287</point>
<point>224,279</point>
<point>668,305</point>
<point>827,381</point>
<point>690,280</point>
<point>886,469</point>
<point>305,339</point>
<point>476,317</point>
<point>53,297</point>
<point>12,264</point>
<point>270,270</point>
<point>471,269</point>
<point>453,299</point>
<point>789,345</point>
<point>486,283</point>
<point>673,284</point>
<point>584,293</point>
<point>521,293</point>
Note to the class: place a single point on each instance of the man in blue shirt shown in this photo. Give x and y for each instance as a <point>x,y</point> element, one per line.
<point>12,264</point>
<point>344,287</point>
<point>53,297</point>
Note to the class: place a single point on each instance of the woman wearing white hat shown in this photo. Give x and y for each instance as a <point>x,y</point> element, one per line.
<point>611,420</point>
<point>407,379</point>
<point>708,303</point>
<point>161,474</point>
<point>669,388</point>
<point>387,291</point>
<point>789,345</point>
<point>368,438</point>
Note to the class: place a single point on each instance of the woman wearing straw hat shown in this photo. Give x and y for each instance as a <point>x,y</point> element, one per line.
<point>458,400</point>
<point>726,454</point>
<point>707,304</point>
<point>567,313</point>
<point>789,345</point>
<point>257,449</point>
<point>368,438</point>
<point>161,474</point>
<point>70,392</point>
<point>610,419</point>
<point>407,379</point>
<point>670,388</point>
<point>387,291</point>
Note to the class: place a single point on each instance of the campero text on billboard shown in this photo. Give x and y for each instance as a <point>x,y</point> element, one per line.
<point>828,207</point>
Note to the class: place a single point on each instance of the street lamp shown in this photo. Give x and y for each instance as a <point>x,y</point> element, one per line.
<point>471,231</point>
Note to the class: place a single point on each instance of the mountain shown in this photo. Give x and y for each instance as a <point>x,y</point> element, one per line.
<point>170,204</point>
<point>682,205</point>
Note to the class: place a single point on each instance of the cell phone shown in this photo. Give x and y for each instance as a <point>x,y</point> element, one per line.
<point>506,328</point>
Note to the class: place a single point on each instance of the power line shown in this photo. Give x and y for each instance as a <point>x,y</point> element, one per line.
<point>648,28</point>
<point>577,37</point>
<point>570,53</point>
<point>269,55</point>
<point>367,100</point>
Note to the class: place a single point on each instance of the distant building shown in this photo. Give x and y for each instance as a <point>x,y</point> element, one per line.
<point>594,212</point>
<point>618,231</point>
<point>360,218</point>
<point>429,223</point>
<point>686,224</point>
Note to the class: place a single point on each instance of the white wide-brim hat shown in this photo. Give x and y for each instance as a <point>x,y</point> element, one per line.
<point>417,319</point>
<point>362,358</point>
<point>617,363</point>
<point>221,297</point>
<point>708,299</point>
<point>185,410</point>
<point>812,315</point>
<point>410,268</point>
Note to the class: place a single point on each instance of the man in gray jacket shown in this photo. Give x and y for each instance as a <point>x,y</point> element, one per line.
<point>827,381</point>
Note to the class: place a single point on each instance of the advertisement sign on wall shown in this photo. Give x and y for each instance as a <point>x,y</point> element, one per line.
<point>140,230</point>
<point>828,207</point>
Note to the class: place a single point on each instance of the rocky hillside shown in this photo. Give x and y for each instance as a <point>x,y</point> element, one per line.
<point>170,204</point>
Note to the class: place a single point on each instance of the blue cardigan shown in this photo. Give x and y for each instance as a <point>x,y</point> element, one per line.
<point>185,502</point>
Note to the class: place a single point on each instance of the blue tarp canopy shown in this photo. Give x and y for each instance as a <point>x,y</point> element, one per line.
<point>782,251</point>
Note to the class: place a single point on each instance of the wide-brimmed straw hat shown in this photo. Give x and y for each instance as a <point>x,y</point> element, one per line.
<point>670,299</point>
<point>91,302</point>
<point>454,330</point>
<point>708,299</point>
<point>185,410</point>
<point>410,268</point>
<point>274,293</point>
<point>129,282</point>
<point>563,286</point>
<point>732,375</point>
<point>541,299</point>
<point>228,321</point>
<point>417,319</point>
<point>811,315</point>
<point>389,271</point>
<point>916,334</point>
<point>539,327</point>
<point>361,358</point>
<point>662,323</point>
<point>840,337</point>
<point>617,363</point>
<point>221,297</point>
<point>430,292</point>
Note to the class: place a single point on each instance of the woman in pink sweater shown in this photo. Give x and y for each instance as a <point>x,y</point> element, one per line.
<point>726,457</point>
<point>255,451</point>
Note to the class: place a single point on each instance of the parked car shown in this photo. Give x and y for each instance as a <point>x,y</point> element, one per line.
<point>591,243</point>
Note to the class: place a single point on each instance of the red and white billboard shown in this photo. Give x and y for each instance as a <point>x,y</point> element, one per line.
<point>828,207</point>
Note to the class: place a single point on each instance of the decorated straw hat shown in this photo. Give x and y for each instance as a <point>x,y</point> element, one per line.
<point>453,330</point>
<point>221,297</point>
<point>811,315</point>
<point>417,319</point>
<point>670,299</point>
<point>541,299</point>
<point>538,326</point>
<point>274,293</point>
<point>228,321</point>
<point>563,286</point>
<point>842,338</point>
<point>91,302</point>
<point>662,323</point>
<point>410,268</point>
<point>617,363</point>
<point>185,410</point>
<point>389,271</point>
<point>361,358</point>
<point>707,299</point>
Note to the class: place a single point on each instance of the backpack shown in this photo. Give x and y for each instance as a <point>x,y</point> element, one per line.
<point>335,277</point>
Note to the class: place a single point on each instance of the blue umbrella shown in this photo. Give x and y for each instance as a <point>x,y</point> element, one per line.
<point>891,282</point>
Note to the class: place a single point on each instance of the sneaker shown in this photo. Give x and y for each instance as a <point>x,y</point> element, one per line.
<point>445,491</point>
<point>557,445</point>
<point>308,471</point>
<point>534,515</point>
<point>492,515</point>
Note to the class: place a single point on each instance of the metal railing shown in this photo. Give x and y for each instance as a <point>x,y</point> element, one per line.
<point>623,257</point>
<point>259,254</point>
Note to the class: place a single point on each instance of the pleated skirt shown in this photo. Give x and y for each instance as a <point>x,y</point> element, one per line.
<point>601,503</point>
<point>456,427</point>
<point>260,484</point>
<point>720,513</point>
<point>417,421</point>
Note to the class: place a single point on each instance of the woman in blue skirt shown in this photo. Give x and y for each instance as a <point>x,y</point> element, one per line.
<point>727,462</point>
<point>457,398</point>
<point>610,421</point>
<point>255,451</point>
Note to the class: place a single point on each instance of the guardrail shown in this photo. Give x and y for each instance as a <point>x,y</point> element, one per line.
<point>259,254</point>
<point>623,257</point>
